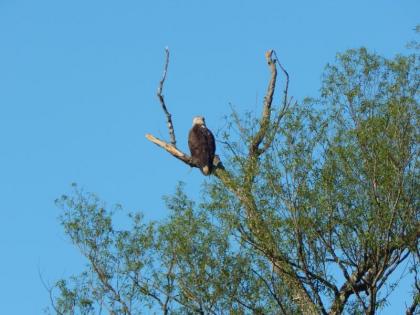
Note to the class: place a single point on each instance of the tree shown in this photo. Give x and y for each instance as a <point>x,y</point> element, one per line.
<point>313,209</point>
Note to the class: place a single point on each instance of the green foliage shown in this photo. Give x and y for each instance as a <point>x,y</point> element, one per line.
<point>317,223</point>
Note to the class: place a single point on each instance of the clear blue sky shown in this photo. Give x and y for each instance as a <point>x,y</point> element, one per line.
<point>77,94</point>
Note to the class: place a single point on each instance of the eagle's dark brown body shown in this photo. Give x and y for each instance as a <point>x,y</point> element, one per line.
<point>202,145</point>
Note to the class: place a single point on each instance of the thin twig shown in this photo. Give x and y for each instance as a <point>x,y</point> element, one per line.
<point>411,310</point>
<point>50,292</point>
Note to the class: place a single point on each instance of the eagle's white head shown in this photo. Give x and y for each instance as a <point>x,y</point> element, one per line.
<point>199,120</point>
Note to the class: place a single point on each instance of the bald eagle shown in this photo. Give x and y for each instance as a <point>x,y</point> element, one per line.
<point>202,145</point>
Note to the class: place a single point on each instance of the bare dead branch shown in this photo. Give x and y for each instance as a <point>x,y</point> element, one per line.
<point>254,149</point>
<point>162,100</point>
<point>218,171</point>
<point>171,149</point>
<point>282,111</point>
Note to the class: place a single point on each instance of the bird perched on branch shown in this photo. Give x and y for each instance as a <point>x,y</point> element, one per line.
<point>202,145</point>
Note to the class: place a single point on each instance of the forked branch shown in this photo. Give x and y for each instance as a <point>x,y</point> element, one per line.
<point>282,111</point>
<point>269,126</point>
<point>268,100</point>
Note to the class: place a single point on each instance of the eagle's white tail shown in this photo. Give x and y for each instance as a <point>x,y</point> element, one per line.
<point>206,170</point>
